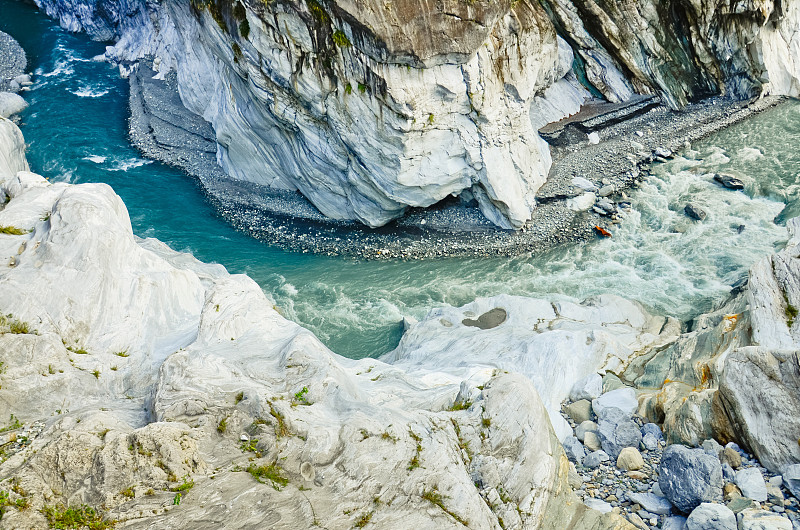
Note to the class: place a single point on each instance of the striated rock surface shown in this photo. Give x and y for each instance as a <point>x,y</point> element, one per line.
<point>368,108</point>
<point>555,344</point>
<point>168,393</point>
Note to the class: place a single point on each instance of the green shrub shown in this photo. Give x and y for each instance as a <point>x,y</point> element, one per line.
<point>69,517</point>
<point>340,39</point>
<point>271,472</point>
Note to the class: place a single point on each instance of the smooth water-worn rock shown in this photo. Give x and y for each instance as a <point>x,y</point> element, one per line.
<point>11,104</point>
<point>592,441</point>
<point>580,411</point>
<point>710,516</point>
<point>689,477</point>
<point>584,428</point>
<point>555,344</point>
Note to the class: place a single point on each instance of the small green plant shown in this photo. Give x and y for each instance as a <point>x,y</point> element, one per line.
<point>50,369</point>
<point>13,424</point>
<point>385,435</point>
<point>460,405</point>
<point>486,423</point>
<point>79,351</point>
<point>128,493</point>
<point>281,429</point>
<point>250,447</point>
<point>222,426</point>
<point>239,397</point>
<point>348,89</point>
<point>12,231</point>
<point>414,463</point>
<point>434,497</point>
<point>244,28</point>
<point>96,374</point>
<point>318,11</point>
<point>176,500</point>
<point>430,119</point>
<point>69,517</point>
<point>239,11</point>
<point>363,521</point>
<point>270,472</point>
<point>362,88</point>
<point>186,485</point>
<point>340,39</point>
<point>300,397</point>
<point>791,314</point>
<point>237,51</point>
<point>123,353</point>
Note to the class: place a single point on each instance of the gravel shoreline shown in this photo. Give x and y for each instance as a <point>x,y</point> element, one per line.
<point>162,129</point>
<point>12,63</point>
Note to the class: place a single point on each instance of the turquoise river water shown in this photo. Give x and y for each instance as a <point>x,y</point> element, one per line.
<point>75,127</point>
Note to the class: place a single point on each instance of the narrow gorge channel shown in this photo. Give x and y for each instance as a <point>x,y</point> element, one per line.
<point>76,128</point>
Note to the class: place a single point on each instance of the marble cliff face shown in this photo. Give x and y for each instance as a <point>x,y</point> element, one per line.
<point>370,107</point>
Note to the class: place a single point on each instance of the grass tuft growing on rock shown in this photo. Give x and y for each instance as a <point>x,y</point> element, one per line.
<point>12,231</point>
<point>222,426</point>
<point>364,520</point>
<point>270,472</point>
<point>69,517</point>
<point>15,326</point>
<point>434,497</point>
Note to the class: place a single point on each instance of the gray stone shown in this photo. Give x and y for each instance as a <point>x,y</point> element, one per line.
<point>579,411</point>
<point>623,399</point>
<point>584,427</point>
<point>709,516</point>
<point>775,495</point>
<point>612,382</point>
<point>712,447</point>
<point>694,212</point>
<point>595,458</point>
<point>689,477</point>
<point>592,441</point>
<point>589,387</point>
<point>676,522</point>
<point>760,386</point>
<point>597,504</point>
<point>729,181</point>
<point>605,191</point>
<point>617,431</point>
<point>791,479</point>
<point>754,519</point>
<point>651,502</point>
<point>649,442</point>
<point>655,430</point>
<point>740,503</point>
<point>752,484</point>
<point>574,449</point>
<point>728,473</point>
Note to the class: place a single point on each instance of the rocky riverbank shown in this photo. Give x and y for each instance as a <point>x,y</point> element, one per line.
<point>12,76</point>
<point>163,129</point>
